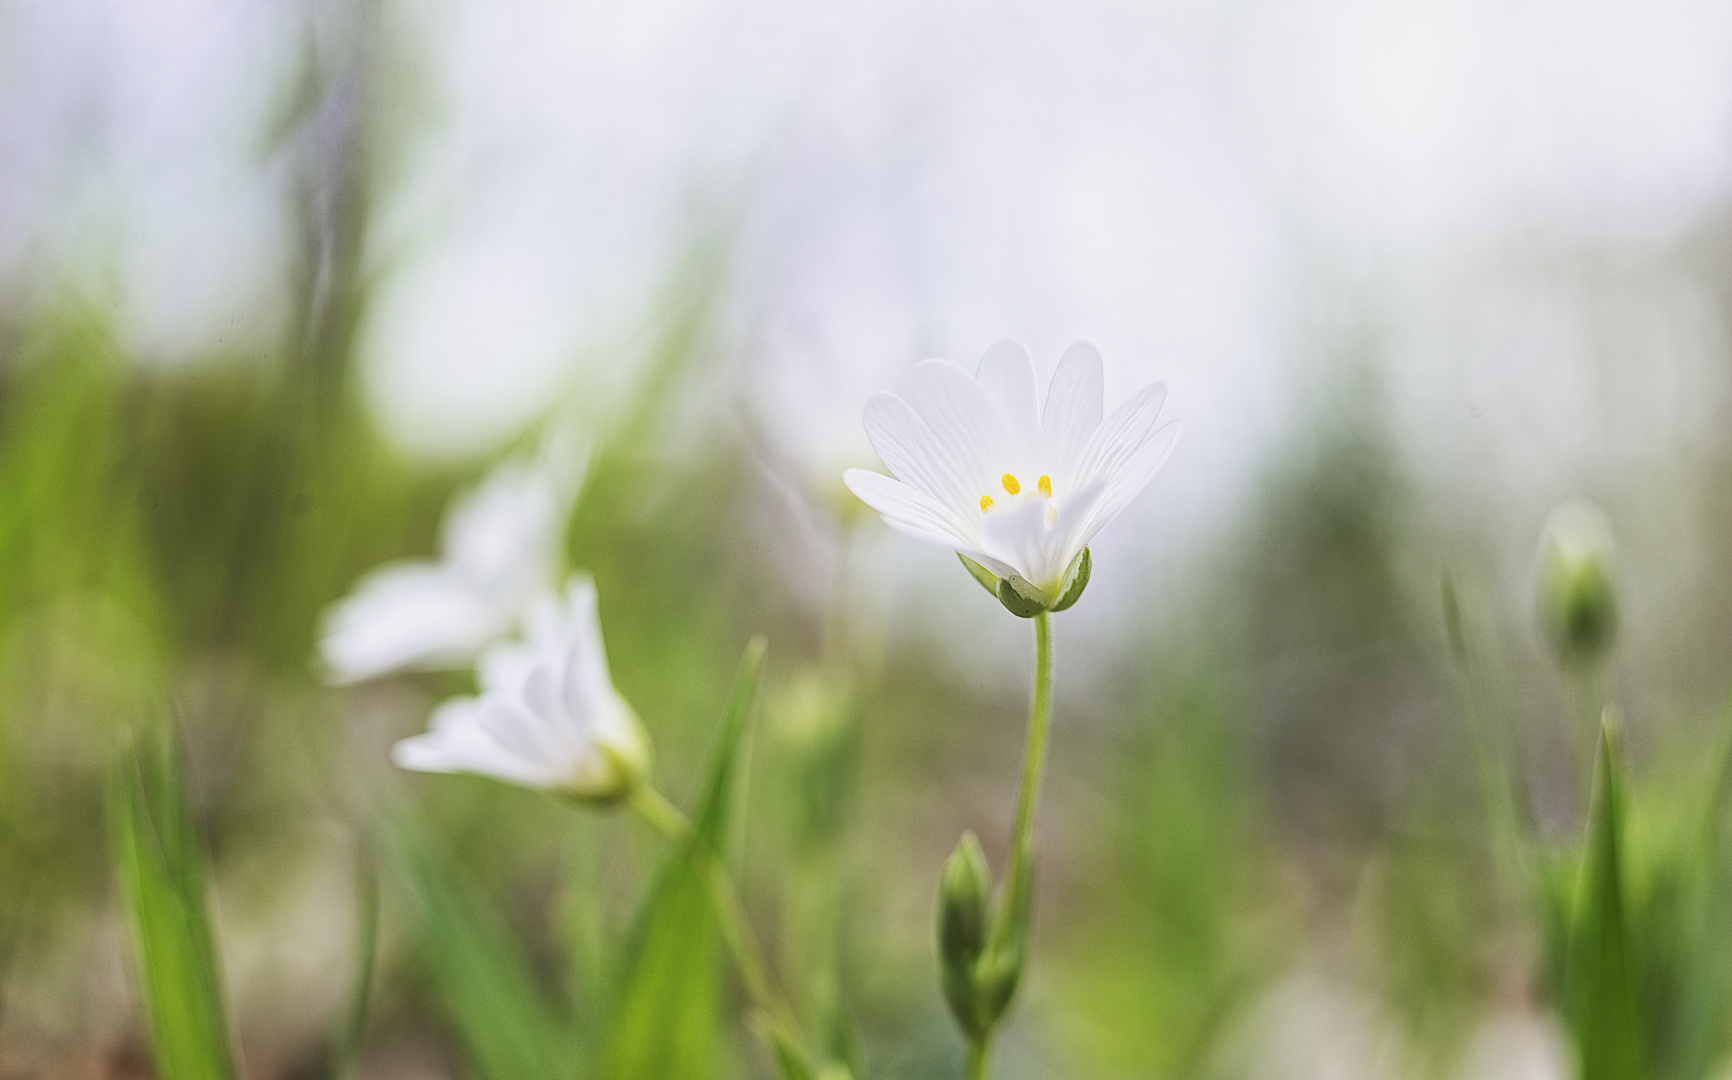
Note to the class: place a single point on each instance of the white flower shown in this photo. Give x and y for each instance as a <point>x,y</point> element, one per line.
<point>548,715</point>
<point>983,468</point>
<point>501,546</point>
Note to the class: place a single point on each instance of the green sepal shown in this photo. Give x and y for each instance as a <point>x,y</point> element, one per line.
<point>988,580</point>
<point>1076,579</point>
<point>1021,598</point>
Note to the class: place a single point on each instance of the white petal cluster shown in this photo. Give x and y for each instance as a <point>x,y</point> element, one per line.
<point>501,547</point>
<point>548,715</point>
<point>982,466</point>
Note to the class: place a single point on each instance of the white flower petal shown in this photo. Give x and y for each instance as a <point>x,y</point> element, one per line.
<point>410,615</point>
<point>548,716</point>
<point>1120,434</point>
<point>1022,539</point>
<point>1006,374</point>
<point>520,731</point>
<point>1131,476</point>
<point>913,454</point>
<point>970,438</point>
<point>588,688</point>
<point>1073,406</point>
<point>906,506</point>
<point>458,743</point>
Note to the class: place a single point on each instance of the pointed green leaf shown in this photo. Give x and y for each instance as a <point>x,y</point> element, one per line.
<point>1599,991</point>
<point>503,1020</point>
<point>666,1020</point>
<point>161,873</point>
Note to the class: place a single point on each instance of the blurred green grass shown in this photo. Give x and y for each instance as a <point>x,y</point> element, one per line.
<point>1280,787</point>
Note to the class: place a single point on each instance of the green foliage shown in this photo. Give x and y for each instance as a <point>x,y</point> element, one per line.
<point>1598,992</point>
<point>665,1021</point>
<point>161,874</point>
<point>1635,924</point>
<point>1183,933</point>
<point>508,1028</point>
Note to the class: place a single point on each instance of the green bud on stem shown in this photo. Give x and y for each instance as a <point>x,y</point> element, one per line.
<point>1578,609</point>
<point>979,968</point>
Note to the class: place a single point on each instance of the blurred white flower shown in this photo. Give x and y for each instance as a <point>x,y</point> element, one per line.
<point>501,546</point>
<point>548,715</point>
<point>983,468</point>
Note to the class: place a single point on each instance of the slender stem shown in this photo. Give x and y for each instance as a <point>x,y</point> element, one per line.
<point>977,1059</point>
<point>347,1051</point>
<point>1033,762</point>
<point>737,935</point>
<point>1013,895</point>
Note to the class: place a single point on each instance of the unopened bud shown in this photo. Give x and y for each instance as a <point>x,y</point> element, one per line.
<point>962,903</point>
<point>1577,601</point>
<point>963,924</point>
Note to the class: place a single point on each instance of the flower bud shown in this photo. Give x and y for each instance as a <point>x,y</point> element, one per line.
<point>963,923</point>
<point>1577,602</point>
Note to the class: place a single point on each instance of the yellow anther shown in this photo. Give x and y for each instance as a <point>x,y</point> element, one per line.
<point>985,503</point>
<point>1010,484</point>
<point>1045,486</point>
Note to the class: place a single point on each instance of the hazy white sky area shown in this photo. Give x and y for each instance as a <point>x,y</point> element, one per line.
<point>1489,195</point>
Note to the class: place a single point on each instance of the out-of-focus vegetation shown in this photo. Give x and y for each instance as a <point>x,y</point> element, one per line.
<point>1311,821</point>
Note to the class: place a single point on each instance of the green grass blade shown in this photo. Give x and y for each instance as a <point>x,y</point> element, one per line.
<point>161,874</point>
<point>483,983</point>
<point>665,1022</point>
<point>1599,993</point>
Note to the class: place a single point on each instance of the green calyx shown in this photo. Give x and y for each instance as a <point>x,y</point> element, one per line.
<point>1025,600</point>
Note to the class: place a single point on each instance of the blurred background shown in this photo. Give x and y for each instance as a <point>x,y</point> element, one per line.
<point>278,279</point>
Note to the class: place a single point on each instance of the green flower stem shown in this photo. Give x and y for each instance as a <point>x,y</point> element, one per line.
<point>1033,762</point>
<point>741,942</point>
<point>1013,901</point>
<point>977,1059</point>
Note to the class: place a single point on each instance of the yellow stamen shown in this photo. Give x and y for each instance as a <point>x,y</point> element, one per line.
<point>985,503</point>
<point>1010,484</point>
<point>1051,515</point>
<point>1045,486</point>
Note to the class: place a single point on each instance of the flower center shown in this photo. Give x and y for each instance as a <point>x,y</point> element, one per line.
<point>1015,496</point>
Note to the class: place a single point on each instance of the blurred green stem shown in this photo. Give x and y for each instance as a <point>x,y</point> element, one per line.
<point>346,1054</point>
<point>1590,691</point>
<point>742,943</point>
<point>977,1059</point>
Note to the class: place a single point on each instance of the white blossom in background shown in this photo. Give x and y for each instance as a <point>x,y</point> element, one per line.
<point>983,468</point>
<point>500,548</point>
<point>548,715</point>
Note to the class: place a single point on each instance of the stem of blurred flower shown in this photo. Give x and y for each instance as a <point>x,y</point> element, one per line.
<point>1589,691</point>
<point>742,943</point>
<point>977,1059</point>
<point>346,1054</point>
